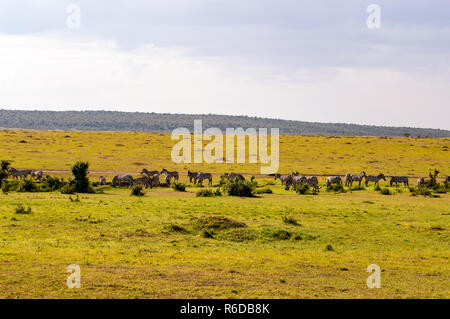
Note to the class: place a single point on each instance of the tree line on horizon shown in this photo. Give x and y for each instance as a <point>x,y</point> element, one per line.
<point>158,122</point>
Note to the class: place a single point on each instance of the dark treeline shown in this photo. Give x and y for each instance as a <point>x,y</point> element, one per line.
<point>156,122</point>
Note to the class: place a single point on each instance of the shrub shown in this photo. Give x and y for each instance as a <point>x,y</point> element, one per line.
<point>51,184</point>
<point>137,191</point>
<point>207,234</point>
<point>217,192</point>
<point>27,185</point>
<point>302,189</point>
<point>9,186</point>
<point>179,187</point>
<point>336,189</point>
<point>237,187</point>
<point>4,173</point>
<point>385,191</point>
<point>420,191</point>
<point>329,248</point>
<point>376,188</point>
<point>68,189</point>
<point>290,220</point>
<point>264,190</point>
<point>20,209</point>
<point>278,234</point>
<point>358,188</point>
<point>205,193</point>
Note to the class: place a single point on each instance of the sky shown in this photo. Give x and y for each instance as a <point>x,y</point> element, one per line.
<point>314,60</point>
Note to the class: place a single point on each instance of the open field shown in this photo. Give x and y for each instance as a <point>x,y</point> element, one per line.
<point>130,152</point>
<point>154,246</point>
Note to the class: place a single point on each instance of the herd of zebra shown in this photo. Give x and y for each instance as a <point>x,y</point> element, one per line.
<point>152,178</point>
<point>294,179</point>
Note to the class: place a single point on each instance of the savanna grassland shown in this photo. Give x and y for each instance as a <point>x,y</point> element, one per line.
<point>170,244</point>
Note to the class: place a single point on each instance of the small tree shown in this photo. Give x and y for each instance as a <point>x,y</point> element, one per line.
<point>4,173</point>
<point>81,181</point>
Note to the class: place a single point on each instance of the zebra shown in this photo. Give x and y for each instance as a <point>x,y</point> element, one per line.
<point>201,176</point>
<point>282,178</point>
<point>421,182</point>
<point>348,180</point>
<point>233,176</point>
<point>37,175</point>
<point>293,180</point>
<point>447,180</point>
<point>149,173</point>
<point>356,178</point>
<point>154,181</point>
<point>192,176</point>
<point>376,179</point>
<point>144,181</point>
<point>20,173</point>
<point>102,180</point>
<point>122,179</point>
<point>173,174</point>
<point>167,178</point>
<point>399,179</point>
<point>334,180</point>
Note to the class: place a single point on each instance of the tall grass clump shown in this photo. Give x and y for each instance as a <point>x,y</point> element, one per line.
<point>179,187</point>
<point>20,209</point>
<point>137,191</point>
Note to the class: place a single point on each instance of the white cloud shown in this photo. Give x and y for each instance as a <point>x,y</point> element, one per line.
<point>43,72</point>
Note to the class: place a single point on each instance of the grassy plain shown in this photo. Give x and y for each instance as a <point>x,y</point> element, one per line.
<point>154,247</point>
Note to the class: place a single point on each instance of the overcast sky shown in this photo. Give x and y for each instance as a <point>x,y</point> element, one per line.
<point>310,60</point>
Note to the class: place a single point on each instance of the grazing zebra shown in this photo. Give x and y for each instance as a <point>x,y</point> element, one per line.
<point>399,179</point>
<point>102,180</point>
<point>334,180</point>
<point>192,176</point>
<point>143,181</point>
<point>120,180</point>
<point>149,173</point>
<point>37,175</point>
<point>357,178</point>
<point>233,176</point>
<point>375,179</point>
<point>282,178</point>
<point>201,176</point>
<point>154,181</point>
<point>348,180</point>
<point>311,181</point>
<point>173,174</point>
<point>19,173</point>
<point>167,179</point>
<point>295,180</point>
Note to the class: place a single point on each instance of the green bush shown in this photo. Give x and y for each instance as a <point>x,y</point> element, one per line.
<point>385,191</point>
<point>179,187</point>
<point>302,189</point>
<point>51,184</point>
<point>237,187</point>
<point>336,189</point>
<point>205,193</point>
<point>20,209</point>
<point>68,189</point>
<point>137,191</point>
<point>264,190</point>
<point>27,185</point>
<point>420,191</point>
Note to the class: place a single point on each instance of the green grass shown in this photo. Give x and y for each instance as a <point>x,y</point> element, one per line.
<point>155,247</point>
<point>169,244</point>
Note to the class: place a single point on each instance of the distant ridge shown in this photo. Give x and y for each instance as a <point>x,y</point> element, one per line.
<point>156,122</point>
